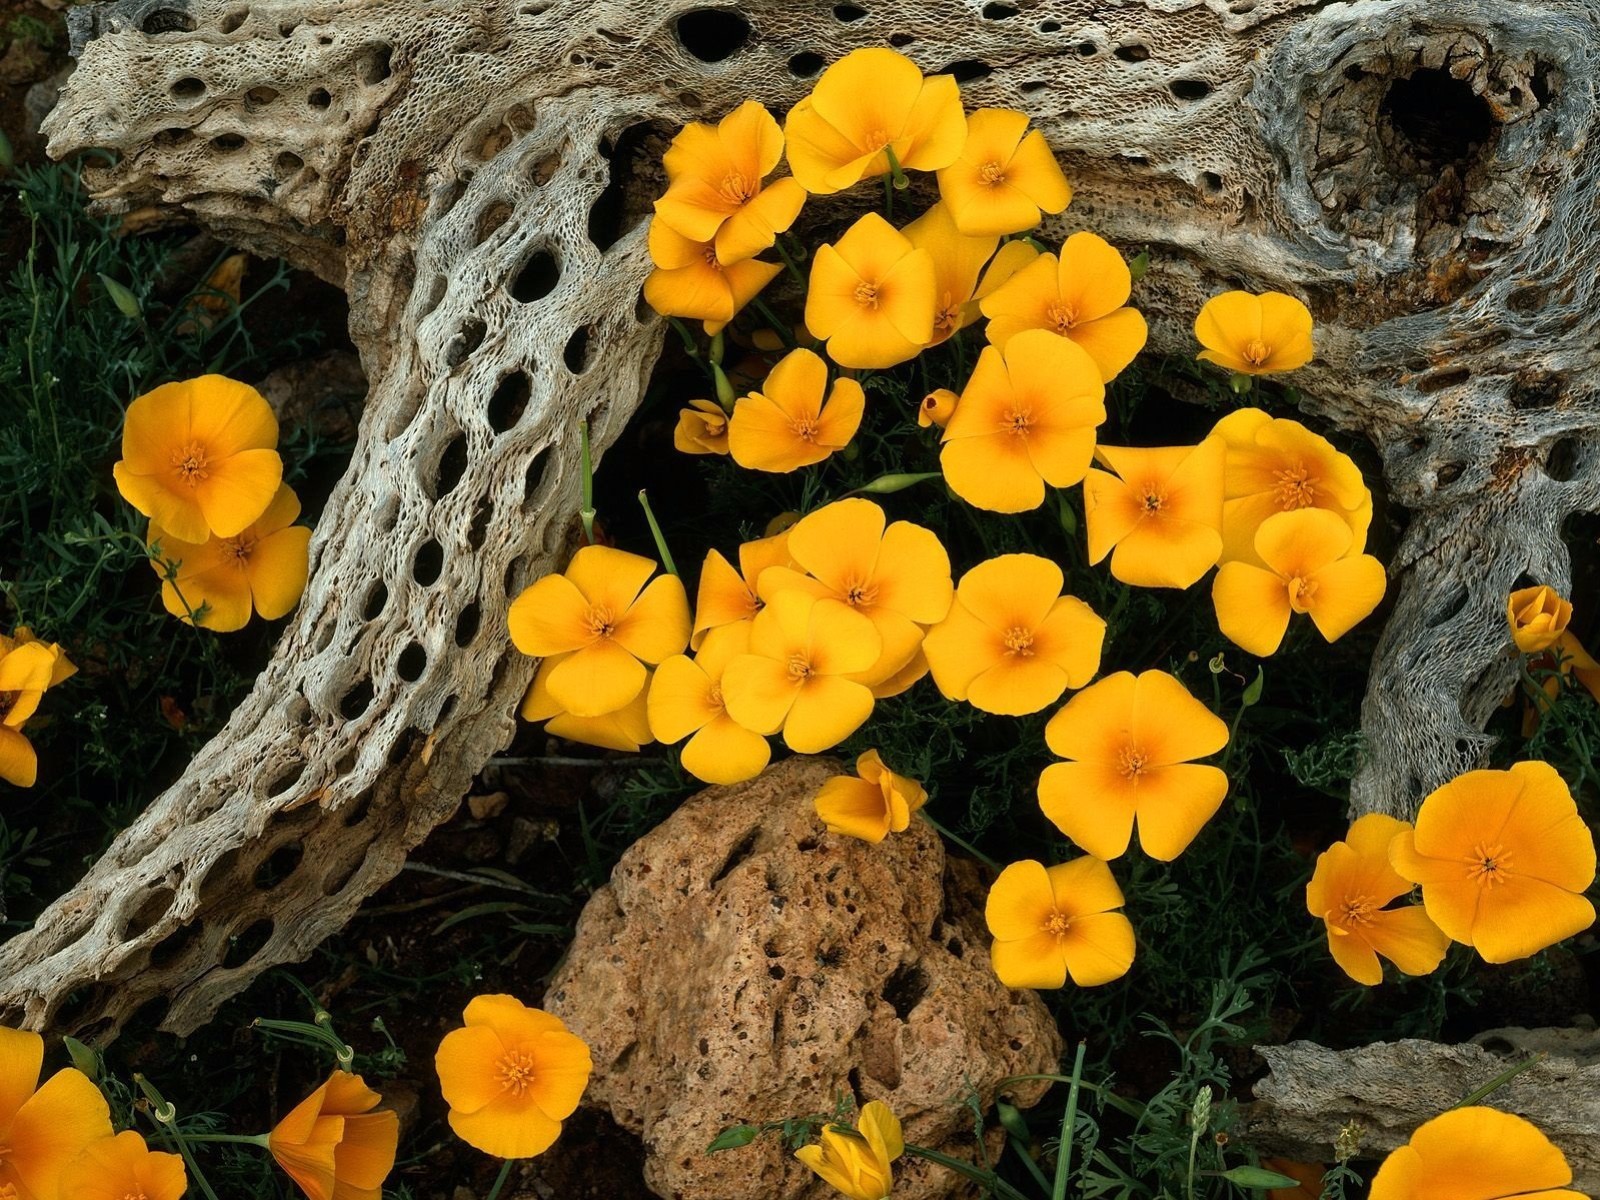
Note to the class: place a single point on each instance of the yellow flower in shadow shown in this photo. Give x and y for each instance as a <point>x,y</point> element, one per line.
<point>626,728</point>
<point>116,1168</point>
<point>727,596</point>
<point>873,101</point>
<point>1475,1154</point>
<point>1538,617</point>
<point>1131,742</point>
<point>689,280</point>
<point>795,420</point>
<point>958,260</point>
<point>1005,176</point>
<point>871,296</point>
<point>334,1145</point>
<point>1254,335</point>
<point>686,702</point>
<point>26,672</point>
<point>1160,515</point>
<point>1503,859</point>
<point>872,803</point>
<point>1051,923</point>
<point>858,1163</point>
<point>702,428</point>
<point>43,1129</point>
<point>1350,889</point>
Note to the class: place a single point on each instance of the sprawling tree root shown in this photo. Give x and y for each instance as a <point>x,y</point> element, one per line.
<point>1418,169</point>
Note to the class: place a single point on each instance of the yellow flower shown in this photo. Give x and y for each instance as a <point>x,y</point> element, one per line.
<point>689,281</point>
<point>25,674</point>
<point>1475,1154</point>
<point>1277,465</point>
<point>1538,617</point>
<point>871,296</point>
<point>937,407</point>
<point>61,668</point>
<point>1005,176</point>
<point>957,262</point>
<point>858,1162</point>
<point>626,728</point>
<point>1131,742</point>
<point>1503,859</point>
<point>606,622</point>
<point>333,1145</point>
<point>1254,335</point>
<point>797,676</point>
<point>872,803</point>
<point>686,699</point>
<point>788,424</point>
<point>1160,515</point>
<point>702,428</point>
<point>1309,569</point>
<point>727,596</point>
<point>1349,890</point>
<point>1012,642</point>
<point>1082,296</point>
<point>511,1077</point>
<point>42,1129</point>
<point>1051,923</point>
<point>120,1167</point>
<point>869,102</point>
<point>1027,417</point>
<point>714,192</point>
<point>897,577</point>
<point>199,457</point>
<point>261,568</point>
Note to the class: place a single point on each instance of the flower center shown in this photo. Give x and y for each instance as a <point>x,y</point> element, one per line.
<point>599,621</point>
<point>1488,864</point>
<point>805,428</point>
<point>1356,910</point>
<point>799,668</point>
<point>714,696</point>
<point>710,255</point>
<point>1256,352</point>
<point>714,426</point>
<point>1062,315</point>
<point>7,700</point>
<point>1018,641</point>
<point>736,189</point>
<point>860,592</point>
<point>1301,593</point>
<point>189,463</point>
<point>1296,488</point>
<point>1057,923</point>
<point>877,139</point>
<point>138,1195</point>
<point>1153,500</point>
<point>992,173</point>
<point>1132,762</point>
<point>516,1072</point>
<point>947,316</point>
<point>1019,420</point>
<point>236,551</point>
<point>867,294</point>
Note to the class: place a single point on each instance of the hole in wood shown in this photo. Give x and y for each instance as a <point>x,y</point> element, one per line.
<point>537,278</point>
<point>412,662</point>
<point>712,34</point>
<point>805,64</point>
<point>428,562</point>
<point>1439,117</point>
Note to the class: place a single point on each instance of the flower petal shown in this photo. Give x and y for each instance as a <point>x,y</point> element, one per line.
<point>549,617</point>
<point>825,712</point>
<point>1035,961</point>
<point>1252,607</point>
<point>725,752</point>
<point>278,569</point>
<point>657,624</point>
<point>1098,948</point>
<point>1347,592</point>
<point>238,491</point>
<point>510,1127</point>
<point>1091,803</point>
<point>598,679</point>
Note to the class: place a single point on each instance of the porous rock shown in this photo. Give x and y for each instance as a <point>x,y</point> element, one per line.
<point>745,965</point>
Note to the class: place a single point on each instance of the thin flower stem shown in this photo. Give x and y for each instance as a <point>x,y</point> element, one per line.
<point>988,1178</point>
<point>778,327</point>
<point>242,1139</point>
<point>1069,1121</point>
<point>1500,1080</point>
<point>164,1115</point>
<point>500,1179</point>
<point>655,532</point>
<point>962,842</point>
<point>788,261</point>
<point>586,513</point>
<point>1121,1103</point>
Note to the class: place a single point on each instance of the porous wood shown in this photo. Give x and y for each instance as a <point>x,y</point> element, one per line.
<point>455,166</point>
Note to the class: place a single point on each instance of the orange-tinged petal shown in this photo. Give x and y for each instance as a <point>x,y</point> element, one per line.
<point>957,258</point>
<point>550,617</point>
<point>838,543</point>
<point>1092,277</point>
<point>229,417</point>
<point>1407,938</point>
<point>831,292</point>
<point>597,679</point>
<point>759,692</point>
<point>366,1156</point>
<point>1473,1153</point>
<point>1252,607</point>
<point>1057,378</point>
<point>757,224</point>
<point>1034,171</point>
<point>1095,722</point>
<point>725,752</point>
<point>936,127</point>
<point>1547,823</point>
<point>467,1063</point>
<point>1355,956</point>
<point>562,1066</point>
<point>19,764</point>
<point>1084,886</point>
<point>913,573</point>
<point>1286,328</point>
<point>278,569</point>
<point>840,640</point>
<point>702,428</point>
<point>1011,591</point>
<point>21,1060</point>
<point>853,808</point>
<point>508,1128</point>
<point>238,490</point>
<point>1523,915</point>
<point>825,712</point>
<point>1173,553</point>
<point>867,94</point>
<point>513,1020</point>
<point>671,250</point>
<point>52,1127</point>
<point>680,700</point>
<point>1174,803</point>
<point>1302,542</point>
<point>656,626</point>
<point>1111,512</point>
<point>882,1130</point>
<point>1020,900</point>
<point>220,596</point>
<point>1091,803</point>
<point>698,292</point>
<point>1225,324</point>
<point>958,650</point>
<point>122,1166</point>
<point>906,297</point>
<point>822,158</point>
<point>762,437</point>
<point>1347,592</point>
<point>1172,725</point>
<point>900,639</point>
<point>1031,962</point>
<point>1015,685</point>
<point>1071,636</point>
<point>993,472</point>
<point>627,729</point>
<point>841,416</point>
<point>1098,948</point>
<point>1113,341</point>
<point>609,577</point>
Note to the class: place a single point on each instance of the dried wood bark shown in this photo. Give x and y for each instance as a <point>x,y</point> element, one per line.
<point>471,172</point>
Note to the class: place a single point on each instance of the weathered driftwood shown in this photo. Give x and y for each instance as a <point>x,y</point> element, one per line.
<point>1390,1088</point>
<point>1418,169</point>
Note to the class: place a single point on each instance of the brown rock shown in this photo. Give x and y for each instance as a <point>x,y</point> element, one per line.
<point>745,965</point>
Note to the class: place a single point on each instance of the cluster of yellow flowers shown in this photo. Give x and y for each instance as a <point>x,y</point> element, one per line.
<point>28,669</point>
<point>200,459</point>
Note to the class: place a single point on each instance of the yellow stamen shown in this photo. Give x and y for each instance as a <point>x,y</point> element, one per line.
<point>189,463</point>
<point>237,551</point>
<point>799,668</point>
<point>1356,910</point>
<point>860,593</point>
<point>1257,352</point>
<point>1019,420</point>
<point>1301,593</point>
<point>1296,488</point>
<point>867,295</point>
<point>804,428</point>
<point>1153,500</point>
<point>992,173</point>
<point>1062,315</point>
<point>600,621</point>
<point>735,188</point>
<point>516,1072</point>
<point>1019,641</point>
<point>1488,865</point>
<point>1132,762</point>
<point>1057,923</point>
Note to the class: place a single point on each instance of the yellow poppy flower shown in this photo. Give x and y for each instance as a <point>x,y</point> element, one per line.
<point>872,803</point>
<point>1538,617</point>
<point>123,1166</point>
<point>897,577</point>
<point>1004,178</point>
<point>199,457</point>
<point>714,192</point>
<point>625,729</point>
<point>1131,742</point>
<point>1254,335</point>
<point>1349,890</point>
<point>702,428</point>
<point>727,596</point>
<point>25,674</point>
<point>261,568</point>
<point>858,1163</point>
<point>1574,660</point>
<point>686,702</point>
<point>1309,569</point>
<point>871,296</point>
<point>1081,296</point>
<point>957,262</point>
<point>869,102</point>
<point>333,1145</point>
<point>1475,1154</point>
<point>511,1076</point>
<point>788,424</point>
<point>797,676</point>
<point>1012,642</point>
<point>1027,417</point>
<point>1277,465</point>
<point>607,623</point>
<point>690,282</point>
<point>1051,923</point>
<point>43,1129</point>
<point>1503,859</point>
<point>1308,1177</point>
<point>937,407</point>
<point>61,668</point>
<point>1160,515</point>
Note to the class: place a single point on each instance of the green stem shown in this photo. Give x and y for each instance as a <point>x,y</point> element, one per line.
<point>1121,1103</point>
<point>778,327</point>
<point>1500,1080</point>
<point>788,261</point>
<point>166,1116</point>
<point>586,513</point>
<point>241,1139</point>
<point>500,1179</point>
<point>655,532</point>
<point>1069,1121</point>
<point>961,1167</point>
<point>962,842</point>
<point>897,174</point>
